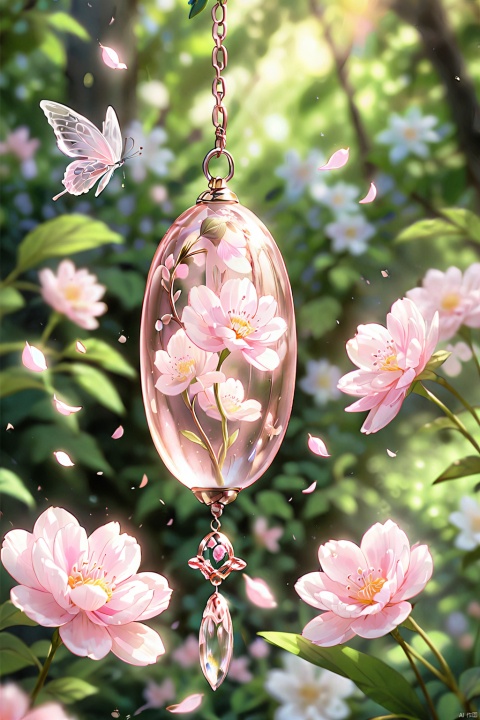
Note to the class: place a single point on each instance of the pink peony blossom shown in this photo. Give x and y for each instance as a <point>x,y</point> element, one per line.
<point>88,587</point>
<point>268,537</point>
<point>454,296</point>
<point>365,589</point>
<point>231,394</point>
<point>15,703</point>
<point>181,363</point>
<point>74,293</point>
<point>237,320</point>
<point>390,359</point>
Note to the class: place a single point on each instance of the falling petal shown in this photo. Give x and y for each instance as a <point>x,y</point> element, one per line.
<point>80,347</point>
<point>166,318</point>
<point>310,488</point>
<point>9,427</point>
<point>122,339</point>
<point>33,358</point>
<point>384,273</point>
<point>65,409</point>
<point>317,446</point>
<point>170,522</point>
<point>112,21</point>
<point>63,459</point>
<point>175,624</point>
<point>370,196</point>
<point>118,433</point>
<point>337,160</point>
<point>100,472</point>
<point>115,714</point>
<point>144,481</point>
<point>111,59</point>
<point>158,325</point>
<point>259,593</point>
<point>390,453</point>
<point>191,703</point>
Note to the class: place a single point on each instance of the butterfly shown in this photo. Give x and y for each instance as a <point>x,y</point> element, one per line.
<point>98,154</point>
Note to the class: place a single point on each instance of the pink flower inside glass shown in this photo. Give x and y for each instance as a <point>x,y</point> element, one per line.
<point>88,587</point>
<point>364,590</point>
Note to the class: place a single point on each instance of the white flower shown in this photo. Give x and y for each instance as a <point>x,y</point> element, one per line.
<point>299,174</point>
<point>321,381</point>
<point>350,232</point>
<point>154,157</point>
<point>468,521</point>
<point>453,364</point>
<point>231,394</point>
<point>340,198</point>
<point>307,692</point>
<point>409,135</point>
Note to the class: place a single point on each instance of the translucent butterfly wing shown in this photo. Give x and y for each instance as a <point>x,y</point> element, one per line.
<point>78,137</point>
<point>81,175</point>
<point>112,133</point>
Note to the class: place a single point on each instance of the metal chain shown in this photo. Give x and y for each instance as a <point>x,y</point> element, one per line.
<point>219,62</point>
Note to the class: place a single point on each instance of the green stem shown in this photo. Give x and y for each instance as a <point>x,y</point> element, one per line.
<point>467,336</point>
<point>428,665</point>
<point>216,390</point>
<point>55,644</point>
<point>396,635</point>
<point>430,396</point>
<point>10,278</point>
<point>53,321</point>
<point>22,285</point>
<point>450,681</point>
<point>444,383</point>
<point>205,440</point>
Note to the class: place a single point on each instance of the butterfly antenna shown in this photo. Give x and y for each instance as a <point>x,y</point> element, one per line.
<point>129,151</point>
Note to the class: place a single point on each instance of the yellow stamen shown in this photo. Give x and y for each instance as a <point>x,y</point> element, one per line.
<point>366,594</point>
<point>185,368</point>
<point>72,293</point>
<point>80,580</point>
<point>410,134</point>
<point>450,301</point>
<point>390,363</point>
<point>241,327</point>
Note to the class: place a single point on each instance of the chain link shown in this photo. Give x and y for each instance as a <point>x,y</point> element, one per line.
<point>219,62</point>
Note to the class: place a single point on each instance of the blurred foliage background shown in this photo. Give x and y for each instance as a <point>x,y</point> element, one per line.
<point>304,79</point>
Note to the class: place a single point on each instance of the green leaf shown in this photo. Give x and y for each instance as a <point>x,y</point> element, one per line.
<point>449,707</point>
<point>194,438</point>
<point>232,438</point>
<point>98,385</point>
<point>54,49</point>
<point>470,557</point>
<point>68,690</point>
<point>10,616</point>
<point>467,220</point>
<point>45,439</point>
<point>101,353</point>
<point>460,468</point>
<point>409,625</point>
<point>197,7</point>
<point>437,359</point>
<point>128,286</point>
<point>11,484</point>
<point>15,379</point>
<point>319,316</point>
<point>271,502</point>
<point>66,23</point>
<point>213,228</point>
<point>63,235</point>
<point>456,224</point>
<point>470,683</point>
<point>10,300</point>
<point>15,655</point>
<point>373,677</point>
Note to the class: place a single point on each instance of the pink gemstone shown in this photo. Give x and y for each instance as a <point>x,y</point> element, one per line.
<point>219,553</point>
<point>216,640</point>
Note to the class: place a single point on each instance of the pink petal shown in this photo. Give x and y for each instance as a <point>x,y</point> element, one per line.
<point>144,481</point>
<point>122,339</point>
<point>337,160</point>
<point>384,273</point>
<point>118,433</point>
<point>370,196</point>
<point>182,271</point>
<point>259,593</point>
<point>310,488</point>
<point>136,643</point>
<point>191,703</point>
<point>374,626</point>
<point>65,409</point>
<point>86,639</point>
<point>39,606</point>
<point>111,59</point>
<point>317,446</point>
<point>63,459</point>
<point>33,358</point>
<point>391,454</point>
<point>158,325</point>
<point>80,347</point>
<point>328,629</point>
<point>9,427</point>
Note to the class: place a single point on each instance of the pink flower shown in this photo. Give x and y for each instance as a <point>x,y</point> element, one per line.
<point>20,144</point>
<point>181,363</point>
<point>237,320</point>
<point>454,296</point>
<point>364,589</point>
<point>389,360</point>
<point>238,670</point>
<point>74,293</point>
<point>259,649</point>
<point>88,587</point>
<point>157,695</point>
<point>14,704</point>
<point>268,537</point>
<point>225,242</point>
<point>187,654</point>
<point>231,394</point>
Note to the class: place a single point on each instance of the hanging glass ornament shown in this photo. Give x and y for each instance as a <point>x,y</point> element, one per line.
<point>218,359</point>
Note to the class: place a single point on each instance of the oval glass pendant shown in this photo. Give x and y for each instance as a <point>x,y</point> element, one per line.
<point>218,346</point>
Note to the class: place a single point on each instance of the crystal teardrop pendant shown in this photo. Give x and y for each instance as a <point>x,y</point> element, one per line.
<point>216,640</point>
